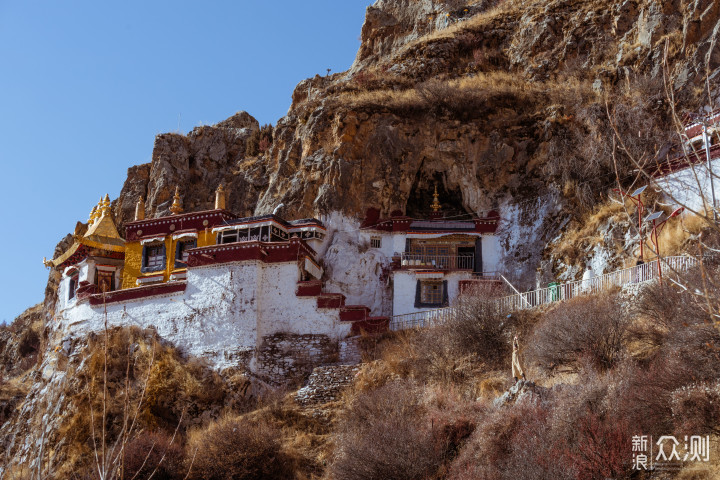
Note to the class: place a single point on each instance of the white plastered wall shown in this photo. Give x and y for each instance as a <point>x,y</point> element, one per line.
<point>225,310</point>
<point>691,187</point>
<point>491,253</point>
<point>405,284</point>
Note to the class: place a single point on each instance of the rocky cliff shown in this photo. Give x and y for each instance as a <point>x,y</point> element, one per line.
<point>499,104</point>
<point>487,100</point>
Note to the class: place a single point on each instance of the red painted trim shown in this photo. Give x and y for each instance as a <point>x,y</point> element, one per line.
<point>312,288</point>
<point>684,161</point>
<point>138,292</point>
<point>268,252</point>
<point>353,313</point>
<point>331,300</point>
<point>186,221</point>
<point>469,284</point>
<point>486,224</point>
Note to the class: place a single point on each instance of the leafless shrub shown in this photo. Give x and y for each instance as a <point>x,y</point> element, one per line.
<point>237,449</point>
<point>384,434</point>
<point>589,327</point>
<point>153,454</point>
<point>696,409</point>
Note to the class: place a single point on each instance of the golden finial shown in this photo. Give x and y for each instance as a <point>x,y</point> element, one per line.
<point>220,198</point>
<point>140,209</point>
<point>176,206</point>
<point>93,216</point>
<point>436,204</point>
<point>105,208</point>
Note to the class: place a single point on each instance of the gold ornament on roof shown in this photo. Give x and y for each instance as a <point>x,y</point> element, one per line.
<point>140,209</point>
<point>220,198</point>
<point>436,203</point>
<point>176,206</point>
<point>93,216</point>
<point>105,208</point>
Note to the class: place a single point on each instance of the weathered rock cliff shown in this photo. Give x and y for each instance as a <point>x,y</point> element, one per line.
<point>498,104</point>
<point>478,99</point>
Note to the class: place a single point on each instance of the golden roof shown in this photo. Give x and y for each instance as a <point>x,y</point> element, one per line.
<point>101,234</point>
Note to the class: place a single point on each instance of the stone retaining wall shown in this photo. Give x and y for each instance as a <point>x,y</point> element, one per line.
<point>285,357</point>
<point>326,384</point>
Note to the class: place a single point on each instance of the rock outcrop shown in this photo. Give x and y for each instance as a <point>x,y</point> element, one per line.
<point>480,99</point>
<point>394,126</point>
<point>198,162</point>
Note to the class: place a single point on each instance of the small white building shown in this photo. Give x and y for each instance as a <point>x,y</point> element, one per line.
<point>252,290</point>
<point>434,259</point>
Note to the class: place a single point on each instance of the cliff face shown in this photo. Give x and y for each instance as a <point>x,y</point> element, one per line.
<point>481,99</point>
<point>498,104</point>
<point>197,163</point>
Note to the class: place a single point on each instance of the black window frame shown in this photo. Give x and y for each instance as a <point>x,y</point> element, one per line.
<point>72,285</point>
<point>145,256</point>
<point>180,248</point>
<point>418,295</point>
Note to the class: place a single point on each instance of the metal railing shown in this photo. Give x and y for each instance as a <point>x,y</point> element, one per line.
<point>444,262</point>
<point>544,296</point>
<point>427,318</point>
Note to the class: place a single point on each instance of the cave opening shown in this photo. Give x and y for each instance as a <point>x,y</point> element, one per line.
<point>421,197</point>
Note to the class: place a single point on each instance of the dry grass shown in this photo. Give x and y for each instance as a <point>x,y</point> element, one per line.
<point>161,385</point>
<point>676,236</point>
<point>466,96</point>
<point>582,234</point>
<point>478,22</point>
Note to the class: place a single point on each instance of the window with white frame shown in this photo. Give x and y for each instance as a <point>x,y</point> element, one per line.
<point>153,257</point>
<point>375,242</point>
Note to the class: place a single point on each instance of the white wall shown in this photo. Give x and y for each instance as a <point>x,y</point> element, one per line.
<point>225,310</point>
<point>691,185</point>
<point>491,253</point>
<point>405,284</point>
<point>280,310</point>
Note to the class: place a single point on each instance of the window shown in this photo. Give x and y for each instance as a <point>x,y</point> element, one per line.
<point>153,258</point>
<point>228,236</point>
<point>431,294</point>
<point>181,252</point>
<point>435,255</point>
<point>72,286</point>
<point>375,242</point>
<point>105,280</point>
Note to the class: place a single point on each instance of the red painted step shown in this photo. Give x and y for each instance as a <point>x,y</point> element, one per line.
<point>312,288</point>
<point>353,313</point>
<point>372,325</point>
<point>331,300</point>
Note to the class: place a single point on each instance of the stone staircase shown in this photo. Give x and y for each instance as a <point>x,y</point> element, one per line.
<point>358,315</point>
<point>326,384</point>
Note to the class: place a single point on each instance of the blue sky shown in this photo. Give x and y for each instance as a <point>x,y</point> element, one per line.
<point>86,86</point>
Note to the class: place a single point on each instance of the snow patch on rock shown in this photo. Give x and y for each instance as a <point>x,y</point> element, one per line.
<point>352,268</point>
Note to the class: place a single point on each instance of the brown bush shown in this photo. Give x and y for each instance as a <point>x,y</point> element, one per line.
<point>511,443</point>
<point>696,409</point>
<point>477,328</point>
<point>385,434</point>
<point>589,328</point>
<point>236,449</point>
<point>29,342</point>
<point>153,454</point>
<point>259,141</point>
